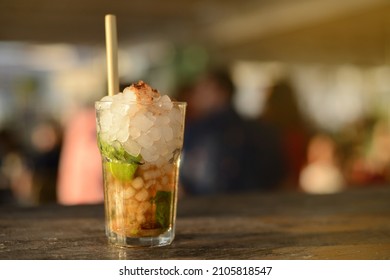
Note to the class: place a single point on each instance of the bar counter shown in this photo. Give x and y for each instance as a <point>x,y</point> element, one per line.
<point>351,225</point>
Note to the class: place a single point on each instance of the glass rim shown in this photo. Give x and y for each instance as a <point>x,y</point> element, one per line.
<point>183,103</point>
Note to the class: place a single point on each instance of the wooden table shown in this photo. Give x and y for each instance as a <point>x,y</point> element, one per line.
<point>349,225</point>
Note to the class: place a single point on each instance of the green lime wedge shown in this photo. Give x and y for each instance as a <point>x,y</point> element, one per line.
<point>122,171</point>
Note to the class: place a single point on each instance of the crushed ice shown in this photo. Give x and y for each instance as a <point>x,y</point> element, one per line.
<point>152,129</point>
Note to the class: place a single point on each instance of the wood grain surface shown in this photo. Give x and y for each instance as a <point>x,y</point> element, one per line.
<point>350,225</point>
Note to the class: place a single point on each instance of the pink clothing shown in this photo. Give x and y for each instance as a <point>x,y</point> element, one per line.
<point>80,172</point>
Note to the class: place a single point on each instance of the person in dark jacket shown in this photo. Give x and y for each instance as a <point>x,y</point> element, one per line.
<point>222,152</point>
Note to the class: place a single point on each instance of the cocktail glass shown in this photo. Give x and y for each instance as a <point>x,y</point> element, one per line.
<point>140,146</point>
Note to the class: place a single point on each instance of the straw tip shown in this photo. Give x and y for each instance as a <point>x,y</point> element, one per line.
<point>109,16</point>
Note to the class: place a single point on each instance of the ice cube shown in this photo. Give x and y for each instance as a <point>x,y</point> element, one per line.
<point>149,155</point>
<point>142,195</point>
<point>111,137</point>
<point>128,90</point>
<point>150,116</point>
<point>107,98</point>
<point>176,128</point>
<point>175,115</point>
<point>133,109</point>
<point>142,122</point>
<point>150,174</point>
<point>163,150</point>
<point>119,108</point>
<point>125,122</point>
<point>160,161</point>
<point>168,168</point>
<point>165,103</point>
<point>116,123</point>
<point>145,141</point>
<point>134,132</point>
<point>132,147</point>
<point>105,120</point>
<point>129,96</point>
<point>154,133</point>
<point>137,183</point>
<point>117,98</point>
<point>128,193</point>
<point>123,134</point>
<point>162,120</point>
<point>103,106</point>
<point>167,133</point>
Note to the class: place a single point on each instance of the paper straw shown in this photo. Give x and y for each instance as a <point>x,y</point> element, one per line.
<point>112,55</point>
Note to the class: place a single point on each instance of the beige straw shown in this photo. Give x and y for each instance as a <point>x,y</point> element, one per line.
<point>112,55</point>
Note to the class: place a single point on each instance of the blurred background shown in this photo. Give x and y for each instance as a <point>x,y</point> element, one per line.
<point>316,71</point>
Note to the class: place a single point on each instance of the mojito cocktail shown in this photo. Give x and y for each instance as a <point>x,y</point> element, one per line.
<point>140,137</point>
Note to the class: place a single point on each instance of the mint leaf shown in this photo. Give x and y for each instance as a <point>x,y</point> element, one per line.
<point>121,164</point>
<point>117,153</point>
<point>163,200</point>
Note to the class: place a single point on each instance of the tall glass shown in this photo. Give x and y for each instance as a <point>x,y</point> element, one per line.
<point>140,146</point>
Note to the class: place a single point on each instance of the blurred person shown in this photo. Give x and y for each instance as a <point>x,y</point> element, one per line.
<point>80,171</point>
<point>15,172</point>
<point>183,93</point>
<point>322,174</point>
<point>46,140</point>
<point>220,151</point>
<point>283,113</point>
<point>80,179</point>
<point>7,145</point>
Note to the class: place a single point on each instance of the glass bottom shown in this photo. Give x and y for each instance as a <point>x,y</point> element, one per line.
<point>163,239</point>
